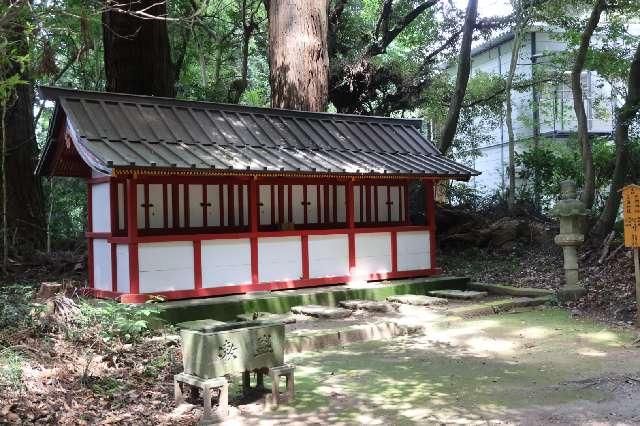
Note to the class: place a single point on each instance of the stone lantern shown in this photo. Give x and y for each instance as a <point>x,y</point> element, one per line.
<point>571,213</point>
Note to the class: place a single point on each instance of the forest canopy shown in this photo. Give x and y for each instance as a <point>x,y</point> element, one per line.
<point>377,57</point>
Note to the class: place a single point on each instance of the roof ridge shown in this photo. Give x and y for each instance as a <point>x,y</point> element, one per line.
<point>54,93</point>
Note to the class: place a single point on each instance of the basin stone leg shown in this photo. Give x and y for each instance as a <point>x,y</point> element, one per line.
<point>289,395</point>
<point>246,380</point>
<point>207,386</point>
<point>177,391</point>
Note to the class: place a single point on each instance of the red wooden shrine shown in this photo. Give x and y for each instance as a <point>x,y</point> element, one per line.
<point>194,199</point>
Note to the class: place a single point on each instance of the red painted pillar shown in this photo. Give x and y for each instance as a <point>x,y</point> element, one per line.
<point>253,219</point>
<point>132,236</point>
<point>351,226</point>
<point>430,214</point>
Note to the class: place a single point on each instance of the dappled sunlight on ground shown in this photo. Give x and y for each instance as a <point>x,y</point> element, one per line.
<point>470,371</point>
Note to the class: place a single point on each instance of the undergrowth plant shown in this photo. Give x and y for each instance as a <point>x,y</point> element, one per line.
<point>111,321</point>
<point>11,364</point>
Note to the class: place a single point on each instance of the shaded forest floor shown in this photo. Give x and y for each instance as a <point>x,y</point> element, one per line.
<point>610,285</point>
<point>511,368</point>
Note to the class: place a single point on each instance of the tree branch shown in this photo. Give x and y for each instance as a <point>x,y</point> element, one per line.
<point>384,35</point>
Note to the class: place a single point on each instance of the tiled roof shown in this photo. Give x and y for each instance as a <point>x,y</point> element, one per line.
<point>123,131</point>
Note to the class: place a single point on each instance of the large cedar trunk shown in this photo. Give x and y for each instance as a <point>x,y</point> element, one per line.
<point>25,213</point>
<point>298,56</point>
<point>137,56</point>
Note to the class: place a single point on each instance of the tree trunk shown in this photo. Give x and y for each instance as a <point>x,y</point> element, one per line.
<point>517,40</point>
<point>589,189</point>
<point>298,56</point>
<point>624,117</point>
<point>464,69</point>
<point>22,192</point>
<point>137,56</point>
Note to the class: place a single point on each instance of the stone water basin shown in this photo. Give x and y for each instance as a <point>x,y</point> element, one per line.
<point>211,349</point>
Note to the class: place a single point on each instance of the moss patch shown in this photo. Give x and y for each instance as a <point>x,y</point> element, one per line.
<point>476,370</point>
<point>228,308</point>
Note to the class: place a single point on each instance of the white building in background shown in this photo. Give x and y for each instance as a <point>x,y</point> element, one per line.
<point>554,118</point>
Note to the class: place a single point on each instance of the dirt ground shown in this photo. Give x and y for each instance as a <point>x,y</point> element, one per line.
<point>539,367</point>
<point>609,285</point>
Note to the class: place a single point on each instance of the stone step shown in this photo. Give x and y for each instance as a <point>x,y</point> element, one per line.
<point>459,294</point>
<point>509,290</point>
<point>417,299</point>
<point>268,316</point>
<point>368,305</point>
<point>319,311</point>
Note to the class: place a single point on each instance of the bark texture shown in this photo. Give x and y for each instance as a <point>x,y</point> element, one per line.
<point>24,199</point>
<point>137,56</point>
<point>464,69</point>
<point>298,55</point>
<point>624,116</point>
<point>589,190</point>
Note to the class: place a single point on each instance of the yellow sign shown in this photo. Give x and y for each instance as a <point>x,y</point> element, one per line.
<point>631,211</point>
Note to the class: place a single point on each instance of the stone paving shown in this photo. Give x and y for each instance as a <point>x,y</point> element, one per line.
<point>368,305</point>
<point>319,311</point>
<point>459,294</point>
<point>417,299</point>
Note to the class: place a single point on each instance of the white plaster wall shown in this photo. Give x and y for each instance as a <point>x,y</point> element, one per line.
<point>166,266</point>
<point>413,250</point>
<point>265,204</point>
<point>296,203</point>
<point>100,210</point>
<point>122,263</point>
<point>383,211</point>
<point>181,206</point>
<point>121,212</point>
<point>195,206</point>
<point>156,208</point>
<point>226,262</point>
<point>213,211</point>
<point>101,265</point>
<point>245,203</point>
<point>225,205</point>
<point>356,204</point>
<point>279,259</point>
<point>341,204</point>
<point>140,206</point>
<point>373,253</point>
<point>312,207</point>
<point>396,206</point>
<point>170,205</point>
<point>328,256</point>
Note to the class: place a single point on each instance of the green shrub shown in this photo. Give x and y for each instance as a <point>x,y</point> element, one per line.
<point>105,386</point>
<point>110,320</point>
<point>11,363</point>
<point>16,307</point>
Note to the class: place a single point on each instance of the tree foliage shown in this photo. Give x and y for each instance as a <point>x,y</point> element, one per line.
<point>386,57</point>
